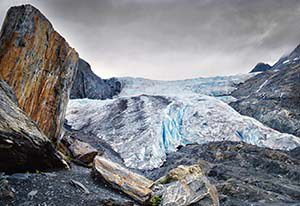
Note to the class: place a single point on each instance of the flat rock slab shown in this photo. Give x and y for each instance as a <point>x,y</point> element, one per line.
<point>120,178</point>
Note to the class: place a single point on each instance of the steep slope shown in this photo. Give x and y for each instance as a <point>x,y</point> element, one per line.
<point>290,60</point>
<point>143,128</point>
<point>23,147</point>
<point>89,85</point>
<point>39,65</point>
<point>273,98</point>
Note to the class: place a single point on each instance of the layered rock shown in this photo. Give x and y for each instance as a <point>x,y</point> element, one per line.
<point>243,174</point>
<point>272,98</point>
<point>120,178</point>
<point>23,147</point>
<point>88,85</point>
<point>39,65</point>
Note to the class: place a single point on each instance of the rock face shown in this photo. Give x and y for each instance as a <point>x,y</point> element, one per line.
<point>273,98</point>
<point>23,147</point>
<point>186,185</point>
<point>89,85</point>
<point>243,174</point>
<point>120,178</point>
<point>261,67</point>
<point>39,65</point>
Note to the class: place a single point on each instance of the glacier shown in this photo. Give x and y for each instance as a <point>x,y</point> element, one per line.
<point>150,119</point>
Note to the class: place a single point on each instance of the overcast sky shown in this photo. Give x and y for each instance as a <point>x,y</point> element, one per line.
<point>173,39</point>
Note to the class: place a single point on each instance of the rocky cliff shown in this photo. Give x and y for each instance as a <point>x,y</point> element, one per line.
<point>290,60</point>
<point>273,98</point>
<point>39,65</point>
<point>88,85</point>
<point>23,147</point>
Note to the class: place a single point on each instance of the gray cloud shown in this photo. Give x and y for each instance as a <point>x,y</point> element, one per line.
<point>174,39</point>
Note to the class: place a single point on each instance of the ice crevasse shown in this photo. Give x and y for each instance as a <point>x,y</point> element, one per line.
<point>145,126</point>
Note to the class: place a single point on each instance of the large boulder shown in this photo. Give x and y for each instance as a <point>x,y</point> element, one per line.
<point>23,147</point>
<point>134,185</point>
<point>83,152</point>
<point>88,85</point>
<point>39,65</point>
<point>187,185</point>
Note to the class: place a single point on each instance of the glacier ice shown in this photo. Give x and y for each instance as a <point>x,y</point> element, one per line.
<point>144,128</point>
<point>152,118</point>
<point>219,87</point>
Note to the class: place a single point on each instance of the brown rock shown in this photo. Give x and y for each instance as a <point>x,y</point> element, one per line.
<point>39,65</point>
<point>120,178</point>
<point>23,147</point>
<point>83,152</point>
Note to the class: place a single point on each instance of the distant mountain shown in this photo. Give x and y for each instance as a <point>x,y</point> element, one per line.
<point>289,60</point>
<point>88,85</point>
<point>261,67</point>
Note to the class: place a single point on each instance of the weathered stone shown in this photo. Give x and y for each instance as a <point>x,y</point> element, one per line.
<point>80,186</point>
<point>39,65</point>
<point>186,185</point>
<point>83,152</point>
<point>23,147</point>
<point>88,85</point>
<point>6,191</point>
<point>120,178</point>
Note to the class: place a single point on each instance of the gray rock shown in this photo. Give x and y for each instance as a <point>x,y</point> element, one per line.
<point>23,147</point>
<point>83,152</point>
<point>32,194</point>
<point>6,191</point>
<point>272,98</point>
<point>80,186</point>
<point>88,85</point>
<point>243,174</point>
<point>261,67</point>
<point>186,185</point>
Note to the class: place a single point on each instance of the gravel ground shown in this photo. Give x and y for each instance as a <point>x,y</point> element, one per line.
<point>60,188</point>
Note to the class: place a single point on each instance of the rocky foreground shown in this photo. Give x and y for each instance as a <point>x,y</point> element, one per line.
<point>242,174</point>
<point>154,143</point>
